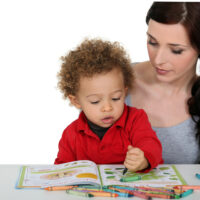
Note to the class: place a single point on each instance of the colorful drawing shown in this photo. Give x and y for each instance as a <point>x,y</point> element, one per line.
<point>35,171</point>
<point>58,175</point>
<point>87,175</point>
<point>109,172</point>
<point>110,177</point>
<point>160,176</point>
<point>107,169</point>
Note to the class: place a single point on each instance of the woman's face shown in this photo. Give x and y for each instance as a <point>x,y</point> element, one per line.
<point>170,52</point>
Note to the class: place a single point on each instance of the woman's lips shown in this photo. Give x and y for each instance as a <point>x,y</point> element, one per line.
<point>162,71</point>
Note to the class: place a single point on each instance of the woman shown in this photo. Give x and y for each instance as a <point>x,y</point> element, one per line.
<point>163,84</point>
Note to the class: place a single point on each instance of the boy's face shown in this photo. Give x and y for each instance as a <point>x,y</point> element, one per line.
<point>101,97</point>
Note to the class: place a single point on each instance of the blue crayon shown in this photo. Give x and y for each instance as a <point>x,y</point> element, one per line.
<point>124,187</point>
<point>197,175</point>
<point>90,186</point>
<point>120,194</point>
<point>186,193</point>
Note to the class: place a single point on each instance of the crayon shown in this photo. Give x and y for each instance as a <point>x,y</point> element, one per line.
<point>131,178</point>
<point>141,195</point>
<point>121,187</point>
<point>97,193</point>
<point>54,188</point>
<point>120,194</point>
<point>104,194</point>
<point>187,187</point>
<point>125,170</point>
<point>89,189</point>
<point>164,196</point>
<point>159,193</point>
<point>121,190</point>
<point>90,186</point>
<point>186,193</point>
<point>79,193</point>
<point>197,175</point>
<point>158,189</point>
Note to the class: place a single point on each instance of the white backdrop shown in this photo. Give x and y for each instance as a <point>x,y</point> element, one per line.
<point>34,34</point>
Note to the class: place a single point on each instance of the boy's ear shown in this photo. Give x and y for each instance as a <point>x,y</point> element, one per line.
<point>74,101</point>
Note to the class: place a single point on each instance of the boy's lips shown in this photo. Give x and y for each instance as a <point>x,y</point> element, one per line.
<point>107,120</point>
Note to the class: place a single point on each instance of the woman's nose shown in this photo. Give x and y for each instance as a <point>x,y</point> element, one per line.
<point>160,57</point>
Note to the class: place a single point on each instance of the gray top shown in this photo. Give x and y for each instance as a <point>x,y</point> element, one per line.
<point>179,142</point>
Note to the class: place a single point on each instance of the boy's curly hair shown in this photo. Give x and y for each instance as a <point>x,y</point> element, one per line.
<point>90,58</point>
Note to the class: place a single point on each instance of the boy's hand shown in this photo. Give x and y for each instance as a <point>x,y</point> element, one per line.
<point>135,160</point>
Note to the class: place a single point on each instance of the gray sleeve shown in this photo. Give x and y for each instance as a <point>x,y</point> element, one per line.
<point>128,97</point>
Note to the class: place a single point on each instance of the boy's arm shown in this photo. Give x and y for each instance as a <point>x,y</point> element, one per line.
<point>143,137</point>
<point>66,144</point>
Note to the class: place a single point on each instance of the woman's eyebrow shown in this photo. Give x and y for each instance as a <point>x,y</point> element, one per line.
<point>151,36</point>
<point>176,45</point>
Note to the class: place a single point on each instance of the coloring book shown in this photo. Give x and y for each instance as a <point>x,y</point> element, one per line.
<point>87,172</point>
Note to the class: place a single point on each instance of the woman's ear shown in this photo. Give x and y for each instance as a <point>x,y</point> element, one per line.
<point>74,101</point>
<point>126,91</point>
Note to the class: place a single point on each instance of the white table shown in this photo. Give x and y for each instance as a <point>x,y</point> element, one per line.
<point>9,175</point>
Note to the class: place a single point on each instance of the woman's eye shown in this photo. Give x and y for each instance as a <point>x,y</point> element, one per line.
<point>177,51</point>
<point>115,99</point>
<point>152,43</point>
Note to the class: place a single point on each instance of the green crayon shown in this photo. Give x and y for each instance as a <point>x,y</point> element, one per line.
<point>131,178</point>
<point>79,193</point>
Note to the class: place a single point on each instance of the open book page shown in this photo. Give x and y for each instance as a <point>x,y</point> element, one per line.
<point>71,173</point>
<point>158,177</point>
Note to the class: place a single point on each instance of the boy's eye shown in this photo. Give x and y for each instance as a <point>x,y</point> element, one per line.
<point>94,102</point>
<point>116,99</point>
<point>177,51</point>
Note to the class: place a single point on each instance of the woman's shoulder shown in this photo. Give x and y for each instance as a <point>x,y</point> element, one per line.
<point>143,76</point>
<point>141,69</point>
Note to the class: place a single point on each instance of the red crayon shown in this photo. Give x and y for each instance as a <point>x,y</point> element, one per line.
<point>141,195</point>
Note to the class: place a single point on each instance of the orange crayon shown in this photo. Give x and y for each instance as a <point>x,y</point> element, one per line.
<point>97,192</point>
<point>164,196</point>
<point>103,194</point>
<point>54,188</point>
<point>187,187</point>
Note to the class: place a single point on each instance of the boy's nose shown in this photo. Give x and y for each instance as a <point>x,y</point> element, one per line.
<point>107,107</point>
